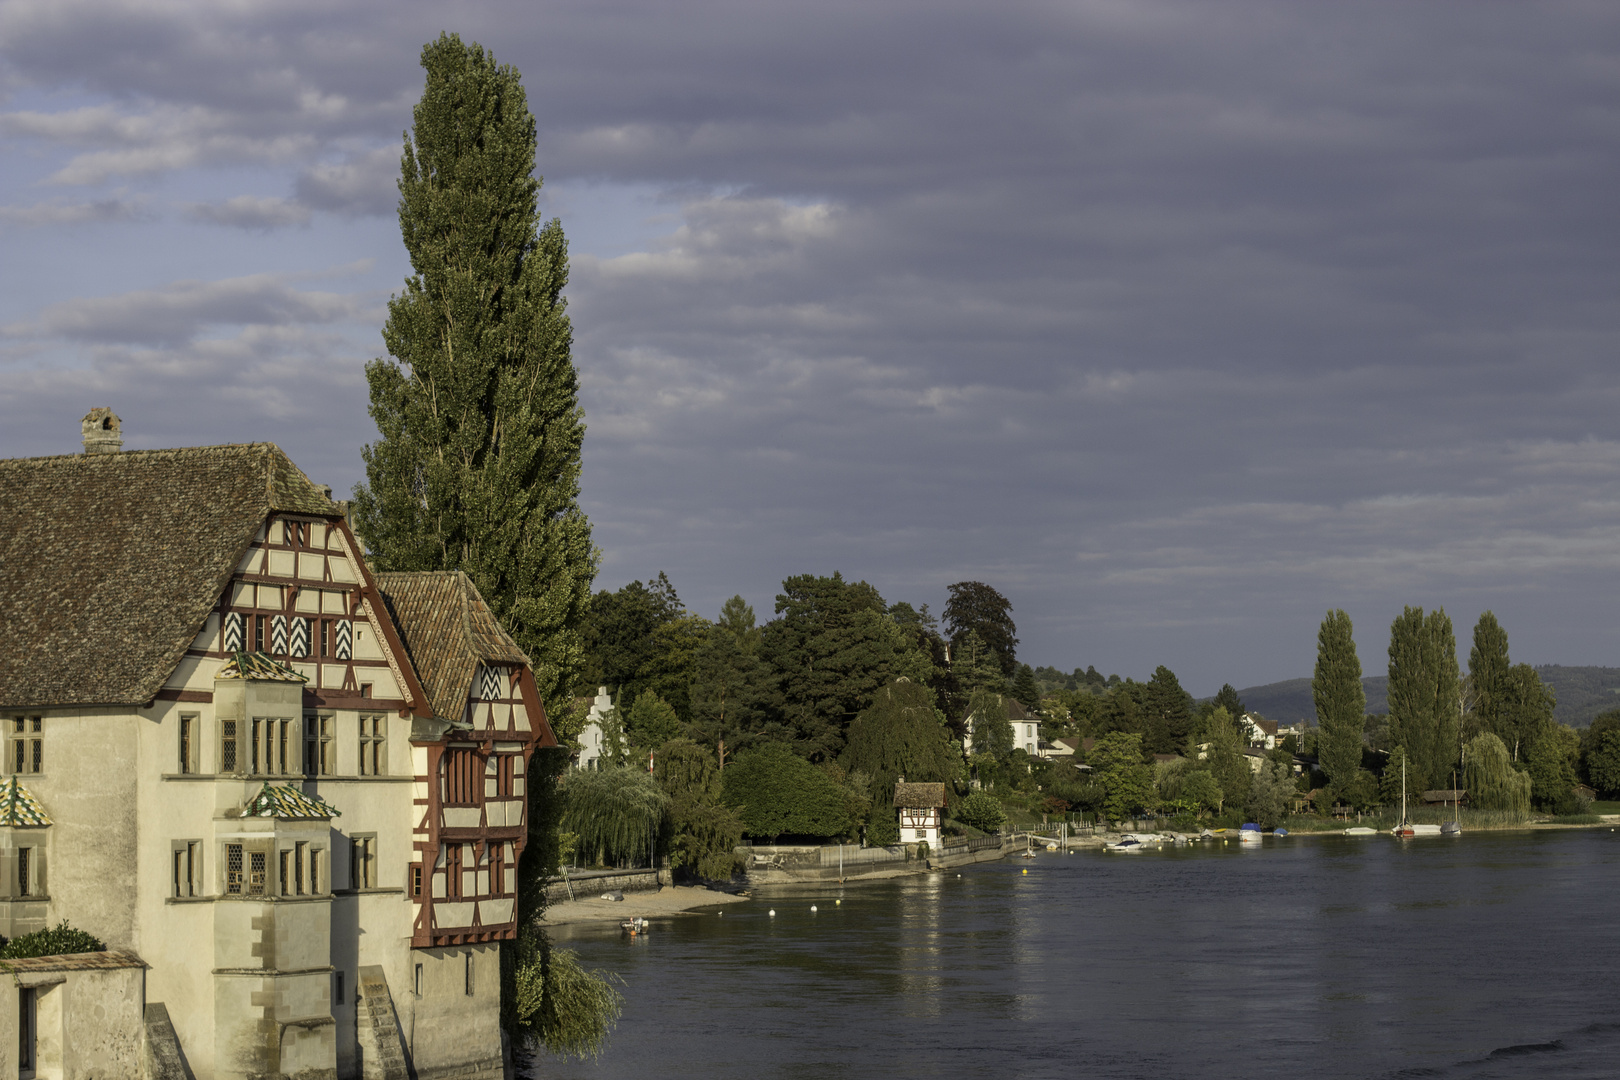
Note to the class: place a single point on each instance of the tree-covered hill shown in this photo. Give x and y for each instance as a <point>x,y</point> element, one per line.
<point>1583,692</point>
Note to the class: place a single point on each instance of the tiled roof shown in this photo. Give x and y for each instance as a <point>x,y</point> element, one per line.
<point>108,960</point>
<point>258,666</point>
<point>288,803</point>
<point>109,563</point>
<point>448,631</point>
<point>919,796</point>
<point>18,805</point>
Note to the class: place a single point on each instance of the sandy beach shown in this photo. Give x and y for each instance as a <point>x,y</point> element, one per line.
<point>670,900</point>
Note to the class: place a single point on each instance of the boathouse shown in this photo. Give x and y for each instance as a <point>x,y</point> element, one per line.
<point>920,806</point>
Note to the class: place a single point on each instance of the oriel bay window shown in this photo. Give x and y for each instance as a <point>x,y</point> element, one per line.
<point>246,870</point>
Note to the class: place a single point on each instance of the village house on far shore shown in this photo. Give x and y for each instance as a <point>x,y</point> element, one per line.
<point>287,792</point>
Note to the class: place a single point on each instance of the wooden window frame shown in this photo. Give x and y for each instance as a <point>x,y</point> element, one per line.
<point>373,744</point>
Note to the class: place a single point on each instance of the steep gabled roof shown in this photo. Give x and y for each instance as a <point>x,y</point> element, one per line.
<point>448,631</point>
<point>110,563</point>
<point>919,796</point>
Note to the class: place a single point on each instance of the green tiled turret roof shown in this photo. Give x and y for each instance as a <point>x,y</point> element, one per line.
<point>256,665</point>
<point>18,805</point>
<point>287,802</point>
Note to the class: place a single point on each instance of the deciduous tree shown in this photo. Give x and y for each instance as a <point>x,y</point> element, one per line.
<point>1488,666</point>
<point>975,606</point>
<point>831,647</point>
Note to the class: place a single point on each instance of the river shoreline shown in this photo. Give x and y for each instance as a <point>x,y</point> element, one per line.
<point>666,902</point>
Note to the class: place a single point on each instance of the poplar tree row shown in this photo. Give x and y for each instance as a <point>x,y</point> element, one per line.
<point>1444,728</point>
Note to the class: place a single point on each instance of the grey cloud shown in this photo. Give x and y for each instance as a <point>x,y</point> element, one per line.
<point>69,213</point>
<point>251,212</point>
<point>177,312</point>
<point>1180,322</point>
<point>359,185</point>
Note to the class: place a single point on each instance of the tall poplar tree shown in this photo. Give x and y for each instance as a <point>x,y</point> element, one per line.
<point>1425,703</point>
<point>1488,666</point>
<point>1341,702</point>
<point>477,467</point>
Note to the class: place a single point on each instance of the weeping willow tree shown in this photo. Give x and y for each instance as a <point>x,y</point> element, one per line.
<point>1490,779</point>
<point>616,813</point>
<point>557,1004</point>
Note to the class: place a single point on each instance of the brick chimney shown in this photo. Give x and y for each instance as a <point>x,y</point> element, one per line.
<point>102,432</point>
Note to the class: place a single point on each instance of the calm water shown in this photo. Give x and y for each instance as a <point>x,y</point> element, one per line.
<point>1489,955</point>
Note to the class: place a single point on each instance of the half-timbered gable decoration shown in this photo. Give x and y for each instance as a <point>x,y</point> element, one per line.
<point>919,806</point>
<point>471,762</point>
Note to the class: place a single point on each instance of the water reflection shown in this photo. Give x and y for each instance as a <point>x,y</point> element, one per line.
<point>1327,957</point>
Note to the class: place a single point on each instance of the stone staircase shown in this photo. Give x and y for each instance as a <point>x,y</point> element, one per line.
<point>382,1050</point>
<point>164,1061</point>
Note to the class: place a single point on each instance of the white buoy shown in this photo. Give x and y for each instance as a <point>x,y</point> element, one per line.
<point>812,907</point>
<point>773,913</point>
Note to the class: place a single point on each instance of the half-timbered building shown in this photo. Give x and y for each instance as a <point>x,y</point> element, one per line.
<point>293,787</point>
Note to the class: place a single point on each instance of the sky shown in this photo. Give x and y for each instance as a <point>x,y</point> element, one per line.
<point>1179,323</point>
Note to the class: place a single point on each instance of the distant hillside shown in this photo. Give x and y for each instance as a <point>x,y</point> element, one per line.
<point>1583,692</point>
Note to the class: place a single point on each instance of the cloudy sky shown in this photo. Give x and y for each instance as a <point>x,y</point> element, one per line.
<point>1177,322</point>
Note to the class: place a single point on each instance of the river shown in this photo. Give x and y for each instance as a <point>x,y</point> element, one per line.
<point>1492,955</point>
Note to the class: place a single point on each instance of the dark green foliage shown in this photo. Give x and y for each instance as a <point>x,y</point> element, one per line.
<point>652,722</point>
<point>1116,762</point>
<point>730,685</point>
<point>1227,698</point>
<point>1600,754</point>
<point>1341,704</point>
<point>1359,792</point>
<point>831,647</point>
<point>704,832</point>
<point>1489,777</point>
<point>981,810</point>
<point>1487,673</point>
<point>1120,709</point>
<point>616,813</point>
<point>778,793</point>
<point>1225,760</point>
<point>1551,765</point>
<point>620,634</point>
<point>975,606</point>
<point>1523,710</point>
<point>1024,689</point>
<point>477,466</point>
<point>555,1003</point>
<point>992,731</point>
<point>901,734</point>
<point>1270,793</point>
<point>1425,696</point>
<point>58,940</point>
<point>1166,712</point>
<point>974,667</point>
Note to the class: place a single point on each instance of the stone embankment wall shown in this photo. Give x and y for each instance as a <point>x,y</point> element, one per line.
<point>596,882</point>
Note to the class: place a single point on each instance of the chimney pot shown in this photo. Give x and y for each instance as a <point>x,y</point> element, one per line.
<point>102,431</point>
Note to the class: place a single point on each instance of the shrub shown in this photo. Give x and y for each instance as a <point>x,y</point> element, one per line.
<point>59,940</point>
<point>981,810</point>
<point>776,792</point>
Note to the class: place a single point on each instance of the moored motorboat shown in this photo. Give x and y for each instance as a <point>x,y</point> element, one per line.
<point>637,925</point>
<point>1360,830</point>
<point>1249,833</point>
<point>1129,844</point>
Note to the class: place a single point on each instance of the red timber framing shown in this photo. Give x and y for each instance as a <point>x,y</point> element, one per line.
<point>294,535</point>
<point>490,822</point>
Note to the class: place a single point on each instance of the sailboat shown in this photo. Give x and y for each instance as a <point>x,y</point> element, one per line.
<point>1454,827</point>
<point>1404,830</point>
